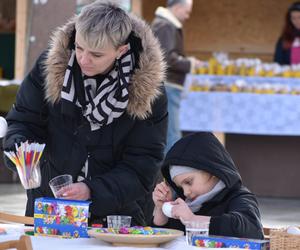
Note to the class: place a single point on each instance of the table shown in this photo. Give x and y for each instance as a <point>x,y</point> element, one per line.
<point>262,130</point>
<point>241,113</point>
<point>8,90</point>
<point>50,243</point>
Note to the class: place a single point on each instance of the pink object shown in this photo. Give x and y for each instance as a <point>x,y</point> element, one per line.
<point>295,52</point>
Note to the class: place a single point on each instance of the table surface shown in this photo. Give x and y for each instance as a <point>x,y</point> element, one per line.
<point>242,113</point>
<point>45,243</point>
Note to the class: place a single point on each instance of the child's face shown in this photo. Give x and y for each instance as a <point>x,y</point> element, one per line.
<point>195,183</point>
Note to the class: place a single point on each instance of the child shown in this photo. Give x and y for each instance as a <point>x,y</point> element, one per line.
<point>208,188</point>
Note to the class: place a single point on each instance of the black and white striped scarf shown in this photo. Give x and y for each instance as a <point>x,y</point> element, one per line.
<point>101,99</point>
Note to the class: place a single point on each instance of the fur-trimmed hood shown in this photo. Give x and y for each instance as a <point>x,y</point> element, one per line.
<point>145,83</point>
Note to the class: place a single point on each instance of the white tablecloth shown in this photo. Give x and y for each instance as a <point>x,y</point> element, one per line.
<point>243,113</point>
<point>50,243</point>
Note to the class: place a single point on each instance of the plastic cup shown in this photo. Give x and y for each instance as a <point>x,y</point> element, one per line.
<point>193,229</point>
<point>118,221</point>
<point>59,182</point>
<point>30,177</point>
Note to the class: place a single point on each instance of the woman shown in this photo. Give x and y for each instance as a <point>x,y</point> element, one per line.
<point>288,46</point>
<point>96,98</point>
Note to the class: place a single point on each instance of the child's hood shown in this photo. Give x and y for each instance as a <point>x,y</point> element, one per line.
<point>202,151</point>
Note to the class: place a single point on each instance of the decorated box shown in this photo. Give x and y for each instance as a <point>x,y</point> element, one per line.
<point>62,218</point>
<point>230,242</point>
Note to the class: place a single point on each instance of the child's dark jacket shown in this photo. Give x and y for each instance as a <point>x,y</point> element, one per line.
<point>234,211</point>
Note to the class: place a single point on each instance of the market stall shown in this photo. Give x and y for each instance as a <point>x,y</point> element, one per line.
<point>241,105</point>
<point>261,119</point>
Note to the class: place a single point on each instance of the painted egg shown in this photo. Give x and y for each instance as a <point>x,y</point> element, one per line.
<point>167,209</point>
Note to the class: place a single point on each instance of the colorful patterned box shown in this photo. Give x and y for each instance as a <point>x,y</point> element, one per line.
<point>62,218</point>
<point>230,242</point>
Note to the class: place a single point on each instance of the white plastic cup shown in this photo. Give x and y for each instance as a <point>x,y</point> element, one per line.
<point>30,179</point>
<point>195,228</point>
<point>59,182</point>
<point>118,221</point>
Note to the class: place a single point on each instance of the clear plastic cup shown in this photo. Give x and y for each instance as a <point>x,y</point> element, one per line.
<point>59,182</point>
<point>30,177</point>
<point>118,221</point>
<point>195,228</point>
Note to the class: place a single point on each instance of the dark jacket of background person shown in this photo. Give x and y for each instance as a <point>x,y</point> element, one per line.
<point>234,211</point>
<point>171,40</point>
<point>124,156</point>
<point>282,55</point>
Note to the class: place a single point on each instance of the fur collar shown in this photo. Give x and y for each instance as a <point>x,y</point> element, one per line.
<point>145,83</point>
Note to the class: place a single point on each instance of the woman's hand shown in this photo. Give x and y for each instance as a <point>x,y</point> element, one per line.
<point>76,191</point>
<point>162,193</point>
<point>181,211</point>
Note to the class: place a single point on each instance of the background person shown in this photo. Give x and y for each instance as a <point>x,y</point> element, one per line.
<point>167,27</point>
<point>287,49</point>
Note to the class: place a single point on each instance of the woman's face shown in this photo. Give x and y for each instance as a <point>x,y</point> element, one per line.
<point>195,183</point>
<point>93,62</point>
<point>295,19</point>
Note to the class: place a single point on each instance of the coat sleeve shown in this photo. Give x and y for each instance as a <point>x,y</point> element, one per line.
<point>279,53</point>
<point>134,174</point>
<point>175,61</point>
<point>242,219</point>
<point>27,117</point>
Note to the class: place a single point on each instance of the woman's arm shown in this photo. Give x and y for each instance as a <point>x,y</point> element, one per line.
<point>135,173</point>
<point>27,118</point>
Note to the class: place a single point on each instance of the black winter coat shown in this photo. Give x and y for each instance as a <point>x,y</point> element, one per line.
<point>234,211</point>
<point>281,55</point>
<point>124,157</point>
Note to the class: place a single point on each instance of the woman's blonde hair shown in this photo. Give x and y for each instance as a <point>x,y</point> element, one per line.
<point>103,22</point>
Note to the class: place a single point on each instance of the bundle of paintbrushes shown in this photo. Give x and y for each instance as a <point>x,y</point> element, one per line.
<point>26,157</point>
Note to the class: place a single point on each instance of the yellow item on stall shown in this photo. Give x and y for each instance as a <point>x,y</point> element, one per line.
<point>212,64</point>
<point>243,70</point>
<point>220,69</point>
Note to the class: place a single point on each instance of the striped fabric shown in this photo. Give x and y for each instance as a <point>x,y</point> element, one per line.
<point>105,98</point>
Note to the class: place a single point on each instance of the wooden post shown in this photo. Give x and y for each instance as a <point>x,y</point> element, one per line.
<point>220,136</point>
<point>21,38</point>
<point>136,7</point>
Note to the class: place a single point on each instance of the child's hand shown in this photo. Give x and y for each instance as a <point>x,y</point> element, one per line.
<point>181,211</point>
<point>161,194</point>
